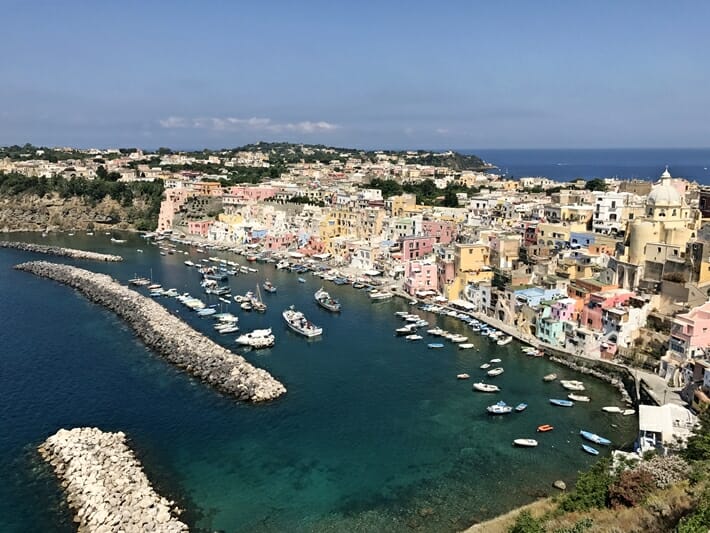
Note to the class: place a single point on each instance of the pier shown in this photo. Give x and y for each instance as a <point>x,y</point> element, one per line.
<point>166,334</point>
<point>61,252</point>
<point>105,485</point>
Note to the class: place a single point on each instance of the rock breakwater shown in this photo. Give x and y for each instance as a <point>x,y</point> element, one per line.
<point>166,334</point>
<point>61,252</point>
<point>105,484</point>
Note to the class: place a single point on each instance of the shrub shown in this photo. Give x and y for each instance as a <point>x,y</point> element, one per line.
<point>591,490</point>
<point>631,488</point>
<point>666,470</point>
<point>579,527</point>
<point>526,523</point>
<point>699,520</point>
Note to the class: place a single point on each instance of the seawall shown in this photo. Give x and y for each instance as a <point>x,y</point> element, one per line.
<point>166,334</point>
<point>61,252</point>
<point>105,485</point>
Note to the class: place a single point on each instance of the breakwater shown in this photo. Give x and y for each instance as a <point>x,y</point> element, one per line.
<point>61,252</point>
<point>166,334</point>
<point>105,485</point>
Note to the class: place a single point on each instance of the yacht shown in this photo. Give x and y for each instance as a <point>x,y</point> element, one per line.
<point>380,295</point>
<point>298,322</point>
<point>259,338</point>
<point>326,301</point>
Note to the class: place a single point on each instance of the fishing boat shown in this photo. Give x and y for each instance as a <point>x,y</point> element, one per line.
<point>326,301</point>
<point>485,387</point>
<point>590,450</point>
<point>485,365</point>
<point>465,346</point>
<point>561,403</point>
<point>550,377</point>
<point>298,322</point>
<point>268,286</point>
<point>462,376</point>
<point>578,397</point>
<point>612,409</point>
<point>525,443</point>
<point>301,280</point>
<point>259,338</point>
<point>593,437</point>
<point>495,371</point>
<point>521,407</point>
<point>545,428</point>
<point>256,303</point>
<point>435,345</point>
<point>414,337</point>
<point>500,408</point>
<point>380,295</point>
<point>504,340</point>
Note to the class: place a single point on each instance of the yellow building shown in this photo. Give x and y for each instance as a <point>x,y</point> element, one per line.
<point>471,265</point>
<point>399,205</point>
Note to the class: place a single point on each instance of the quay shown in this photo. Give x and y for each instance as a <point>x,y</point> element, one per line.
<point>105,485</point>
<point>61,252</point>
<point>166,334</point>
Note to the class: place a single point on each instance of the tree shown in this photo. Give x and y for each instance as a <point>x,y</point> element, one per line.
<point>101,172</point>
<point>450,198</point>
<point>596,185</point>
<point>698,448</point>
<point>591,490</point>
<point>526,523</point>
<point>632,488</point>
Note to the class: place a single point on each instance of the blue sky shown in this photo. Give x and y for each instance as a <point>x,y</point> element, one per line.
<point>473,74</point>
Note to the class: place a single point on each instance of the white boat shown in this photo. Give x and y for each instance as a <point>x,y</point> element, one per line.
<point>246,306</point>
<point>572,385</point>
<point>501,408</point>
<point>612,409</point>
<point>465,346</point>
<point>259,338</point>
<point>300,324</point>
<point>485,387</point>
<point>405,330</point>
<point>494,361</point>
<point>485,365</point>
<point>527,443</point>
<point>458,339</point>
<point>228,328</point>
<point>380,295</point>
<point>578,397</point>
<point>462,376</point>
<point>189,263</point>
<point>414,337</point>
<point>118,241</point>
<point>268,286</point>
<point>627,412</point>
<point>207,311</point>
<point>504,340</point>
<point>326,301</point>
<point>437,332</point>
<point>495,371</point>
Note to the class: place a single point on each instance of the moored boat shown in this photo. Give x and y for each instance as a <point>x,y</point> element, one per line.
<point>462,376</point>
<point>500,408</point>
<point>612,409</point>
<point>550,377</point>
<point>485,387</point>
<point>484,366</point>
<point>593,437</point>
<point>259,338</point>
<point>590,450</point>
<point>495,371</point>
<point>465,346</point>
<point>525,443</point>
<point>545,428</point>
<point>326,301</point>
<point>521,407</point>
<point>561,403</point>
<point>504,340</point>
<point>578,397</point>
<point>380,295</point>
<point>413,337</point>
<point>298,322</point>
<point>435,345</point>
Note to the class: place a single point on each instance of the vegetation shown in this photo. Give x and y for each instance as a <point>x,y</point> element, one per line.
<point>591,490</point>
<point>29,151</point>
<point>596,185</point>
<point>426,192</point>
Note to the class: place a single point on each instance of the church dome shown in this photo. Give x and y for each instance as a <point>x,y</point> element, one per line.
<point>664,194</point>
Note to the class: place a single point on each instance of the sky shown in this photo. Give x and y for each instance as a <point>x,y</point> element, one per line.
<point>388,74</point>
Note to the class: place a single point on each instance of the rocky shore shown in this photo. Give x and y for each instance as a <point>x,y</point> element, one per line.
<point>61,252</point>
<point>602,375</point>
<point>105,484</point>
<point>166,334</point>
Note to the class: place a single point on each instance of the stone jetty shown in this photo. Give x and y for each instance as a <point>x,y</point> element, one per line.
<point>105,484</point>
<point>61,252</point>
<point>166,334</point>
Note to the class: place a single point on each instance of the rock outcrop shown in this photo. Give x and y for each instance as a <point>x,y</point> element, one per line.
<point>61,252</point>
<point>105,485</point>
<point>166,334</point>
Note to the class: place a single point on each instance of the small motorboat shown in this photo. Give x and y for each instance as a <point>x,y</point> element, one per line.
<point>485,365</point>
<point>495,371</point>
<point>485,387</point>
<point>435,345</point>
<point>593,437</point>
<point>627,412</point>
<point>504,340</point>
<point>545,428</point>
<point>494,361</point>
<point>590,450</point>
<point>413,337</point>
<point>462,376</point>
<point>268,286</point>
<point>521,407</point>
<point>578,397</point>
<point>465,346</point>
<point>561,403</point>
<point>525,443</point>
<point>550,377</point>
<point>301,280</point>
<point>405,330</point>
<point>612,409</point>
<point>501,408</point>
<point>572,385</point>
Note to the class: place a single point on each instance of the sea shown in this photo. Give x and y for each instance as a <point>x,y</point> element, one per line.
<point>375,432</point>
<point>622,163</point>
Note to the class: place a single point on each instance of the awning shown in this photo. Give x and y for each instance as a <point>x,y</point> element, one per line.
<point>463,305</point>
<point>372,272</point>
<point>296,255</point>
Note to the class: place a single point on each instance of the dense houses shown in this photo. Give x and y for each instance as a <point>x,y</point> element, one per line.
<point>591,272</point>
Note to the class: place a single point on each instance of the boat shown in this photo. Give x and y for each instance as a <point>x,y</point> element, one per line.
<point>268,286</point>
<point>256,303</point>
<point>298,322</point>
<point>301,280</point>
<point>414,337</point>
<point>525,443</point>
<point>246,306</point>
<point>326,301</point>
<point>628,412</point>
<point>458,339</point>
<point>495,371</point>
<point>572,385</point>
<point>259,338</point>
<point>206,311</point>
<point>462,376</point>
<point>561,403</point>
<point>189,263</point>
<point>228,328</point>
<point>485,387</point>
<point>405,330</point>
<point>612,409</point>
<point>484,366</point>
<point>377,295</point>
<point>465,346</point>
<point>550,377</point>
<point>593,437</point>
<point>545,428</point>
<point>504,340</point>
<point>494,361</point>
<point>590,450</point>
<point>435,345</point>
<point>521,407</point>
<point>578,397</point>
<point>358,285</point>
<point>501,408</point>
<point>118,241</point>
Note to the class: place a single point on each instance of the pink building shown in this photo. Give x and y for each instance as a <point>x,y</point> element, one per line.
<point>564,309</point>
<point>171,204</point>
<point>690,333</point>
<point>416,247</point>
<point>592,313</point>
<point>199,227</point>
<point>420,276</point>
<point>280,241</point>
<point>443,231</point>
<point>244,193</point>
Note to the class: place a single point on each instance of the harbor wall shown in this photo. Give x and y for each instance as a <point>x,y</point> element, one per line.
<point>104,483</point>
<point>166,334</point>
<point>60,252</point>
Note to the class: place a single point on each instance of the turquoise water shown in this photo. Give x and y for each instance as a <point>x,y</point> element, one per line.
<point>375,433</point>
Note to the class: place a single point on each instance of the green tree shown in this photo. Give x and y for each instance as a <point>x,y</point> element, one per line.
<point>450,198</point>
<point>596,185</point>
<point>698,448</point>
<point>591,490</point>
<point>101,172</point>
<point>526,523</point>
